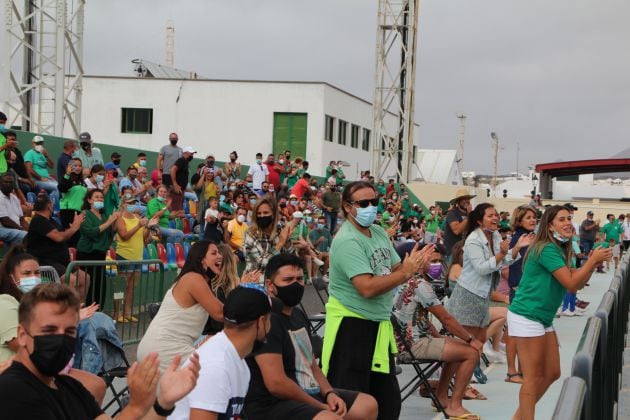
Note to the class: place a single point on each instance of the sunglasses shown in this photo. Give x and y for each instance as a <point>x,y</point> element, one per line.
<point>367,202</point>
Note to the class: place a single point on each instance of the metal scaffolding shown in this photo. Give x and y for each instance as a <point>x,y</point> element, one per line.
<point>394,87</point>
<point>42,72</point>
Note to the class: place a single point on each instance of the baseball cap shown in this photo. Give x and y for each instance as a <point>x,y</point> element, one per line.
<point>213,213</point>
<point>570,206</point>
<point>85,137</point>
<point>297,215</point>
<point>246,303</point>
<point>38,139</point>
<point>110,165</point>
<point>189,149</point>
<point>589,212</point>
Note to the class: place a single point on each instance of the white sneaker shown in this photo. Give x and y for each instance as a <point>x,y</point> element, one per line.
<point>580,311</point>
<point>567,312</point>
<point>559,313</point>
<point>493,356</point>
<point>502,348</point>
<point>318,262</point>
<point>326,278</point>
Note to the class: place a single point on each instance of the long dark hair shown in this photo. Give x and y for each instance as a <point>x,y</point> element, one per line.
<point>476,216</point>
<point>15,256</point>
<point>196,255</point>
<point>544,236</point>
<point>88,196</point>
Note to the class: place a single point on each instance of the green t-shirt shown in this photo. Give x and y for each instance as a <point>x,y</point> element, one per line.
<point>3,160</point>
<point>600,245</point>
<point>299,231</point>
<point>92,239</point>
<point>612,231</point>
<point>155,205</point>
<point>40,164</point>
<point>73,198</point>
<point>351,254</point>
<point>381,189</point>
<point>539,293</point>
<point>431,224</point>
<point>504,224</point>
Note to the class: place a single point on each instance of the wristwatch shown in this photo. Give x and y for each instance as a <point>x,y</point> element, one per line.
<point>161,411</point>
<point>470,339</point>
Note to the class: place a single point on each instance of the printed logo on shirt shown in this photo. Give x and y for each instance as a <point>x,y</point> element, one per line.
<point>234,408</point>
<point>380,261</point>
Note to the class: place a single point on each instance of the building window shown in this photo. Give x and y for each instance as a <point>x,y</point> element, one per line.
<point>343,128</point>
<point>137,120</point>
<point>354,136</point>
<point>366,140</point>
<point>330,128</point>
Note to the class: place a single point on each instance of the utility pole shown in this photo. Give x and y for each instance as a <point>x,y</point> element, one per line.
<point>518,149</point>
<point>170,43</point>
<point>460,148</point>
<point>397,28</point>
<point>495,147</point>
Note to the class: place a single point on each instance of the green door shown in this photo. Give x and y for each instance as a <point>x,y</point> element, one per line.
<point>289,133</point>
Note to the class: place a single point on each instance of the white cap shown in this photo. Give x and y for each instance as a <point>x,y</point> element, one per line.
<point>212,213</point>
<point>297,215</point>
<point>38,139</point>
<point>189,149</point>
<point>307,211</point>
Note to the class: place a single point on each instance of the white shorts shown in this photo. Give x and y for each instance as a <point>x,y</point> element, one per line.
<point>616,251</point>
<point>519,326</point>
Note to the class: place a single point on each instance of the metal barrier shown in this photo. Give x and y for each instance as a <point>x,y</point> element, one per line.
<point>598,361</point>
<point>123,289</point>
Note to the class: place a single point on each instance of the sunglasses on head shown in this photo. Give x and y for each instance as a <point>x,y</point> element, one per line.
<point>367,202</point>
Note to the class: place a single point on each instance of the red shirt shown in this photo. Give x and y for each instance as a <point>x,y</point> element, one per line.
<point>274,175</point>
<point>300,188</point>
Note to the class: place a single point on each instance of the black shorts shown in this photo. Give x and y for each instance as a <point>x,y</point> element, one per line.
<point>295,410</point>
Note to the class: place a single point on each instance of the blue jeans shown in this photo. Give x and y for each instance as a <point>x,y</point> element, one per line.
<point>190,196</point>
<point>569,301</point>
<point>172,235</point>
<point>331,220</point>
<point>50,187</point>
<point>10,236</point>
<point>587,245</point>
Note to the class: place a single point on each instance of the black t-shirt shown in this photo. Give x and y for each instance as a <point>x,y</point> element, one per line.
<point>213,232</point>
<point>450,239</point>
<point>23,396</point>
<point>41,246</point>
<point>278,341</point>
<point>18,166</point>
<point>182,172</point>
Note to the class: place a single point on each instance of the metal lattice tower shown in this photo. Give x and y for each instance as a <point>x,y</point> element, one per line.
<point>394,87</point>
<point>170,44</point>
<point>42,70</point>
<point>495,161</point>
<point>460,146</point>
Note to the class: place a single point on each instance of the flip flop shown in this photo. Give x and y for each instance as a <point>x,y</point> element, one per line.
<point>510,378</point>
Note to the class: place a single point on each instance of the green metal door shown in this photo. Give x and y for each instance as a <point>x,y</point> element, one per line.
<point>289,133</point>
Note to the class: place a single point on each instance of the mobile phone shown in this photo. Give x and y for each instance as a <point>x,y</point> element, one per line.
<point>109,176</point>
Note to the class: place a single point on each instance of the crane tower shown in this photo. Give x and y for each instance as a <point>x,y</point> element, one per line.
<point>397,27</point>
<point>42,69</point>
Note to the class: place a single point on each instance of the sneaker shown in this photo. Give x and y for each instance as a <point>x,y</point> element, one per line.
<point>502,348</point>
<point>318,262</point>
<point>579,311</point>
<point>492,355</point>
<point>559,313</point>
<point>326,278</point>
<point>479,375</point>
<point>568,312</point>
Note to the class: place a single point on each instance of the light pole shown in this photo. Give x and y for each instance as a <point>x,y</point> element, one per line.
<point>534,183</point>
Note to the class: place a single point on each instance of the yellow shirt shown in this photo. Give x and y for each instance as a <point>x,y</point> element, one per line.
<point>210,190</point>
<point>131,249</point>
<point>237,231</point>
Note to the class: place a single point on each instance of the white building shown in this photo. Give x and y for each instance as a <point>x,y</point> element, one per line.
<point>315,120</point>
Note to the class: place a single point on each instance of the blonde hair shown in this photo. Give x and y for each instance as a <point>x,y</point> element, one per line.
<point>227,279</point>
<point>518,214</point>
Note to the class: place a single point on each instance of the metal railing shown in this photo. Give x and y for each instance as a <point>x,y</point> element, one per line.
<point>123,289</point>
<point>592,391</point>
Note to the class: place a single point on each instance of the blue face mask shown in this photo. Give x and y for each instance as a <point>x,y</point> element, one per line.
<point>366,216</point>
<point>249,185</point>
<point>98,205</point>
<point>560,238</point>
<point>320,226</point>
<point>161,198</point>
<point>252,201</point>
<point>28,283</point>
<point>222,198</point>
<point>293,202</point>
<point>308,219</point>
<point>259,161</point>
<point>100,178</point>
<point>2,128</point>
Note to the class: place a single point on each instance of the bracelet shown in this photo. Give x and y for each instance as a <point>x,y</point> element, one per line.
<point>161,411</point>
<point>332,391</point>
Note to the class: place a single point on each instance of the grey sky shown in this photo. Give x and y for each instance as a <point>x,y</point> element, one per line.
<point>552,75</point>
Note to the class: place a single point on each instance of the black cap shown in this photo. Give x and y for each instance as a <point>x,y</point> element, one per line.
<point>85,137</point>
<point>115,155</point>
<point>3,116</point>
<point>570,206</point>
<point>246,303</point>
<point>589,212</point>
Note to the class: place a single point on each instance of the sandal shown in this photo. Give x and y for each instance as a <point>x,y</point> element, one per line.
<point>510,378</point>
<point>479,375</point>
<point>476,395</point>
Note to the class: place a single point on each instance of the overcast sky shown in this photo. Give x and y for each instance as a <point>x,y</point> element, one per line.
<point>551,75</point>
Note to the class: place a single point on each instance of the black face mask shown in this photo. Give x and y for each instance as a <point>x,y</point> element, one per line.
<point>133,176</point>
<point>209,163</point>
<point>115,174</point>
<point>6,190</point>
<point>283,205</point>
<point>85,146</point>
<point>264,221</point>
<point>116,161</point>
<point>173,142</point>
<point>259,343</point>
<point>232,159</point>
<point>189,158</point>
<point>290,295</point>
<point>52,352</point>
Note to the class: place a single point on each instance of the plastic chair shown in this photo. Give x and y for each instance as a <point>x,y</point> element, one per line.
<point>161,254</point>
<point>152,254</point>
<point>180,258</point>
<point>145,256</point>
<point>193,207</point>
<point>186,249</point>
<point>186,226</point>
<point>171,256</point>
<point>186,206</point>
<point>171,224</point>
<point>179,225</point>
<point>31,197</point>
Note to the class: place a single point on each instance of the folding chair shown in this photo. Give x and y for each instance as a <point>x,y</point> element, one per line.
<point>424,368</point>
<point>318,320</point>
<point>48,274</point>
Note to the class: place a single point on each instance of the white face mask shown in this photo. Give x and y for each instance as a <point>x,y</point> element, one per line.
<point>240,218</point>
<point>38,148</point>
<point>28,283</point>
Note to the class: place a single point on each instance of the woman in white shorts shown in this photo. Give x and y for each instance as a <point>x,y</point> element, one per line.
<point>547,275</point>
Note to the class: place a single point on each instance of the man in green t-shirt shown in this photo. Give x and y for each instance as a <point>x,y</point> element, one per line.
<point>432,225</point>
<point>364,271</point>
<point>612,229</point>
